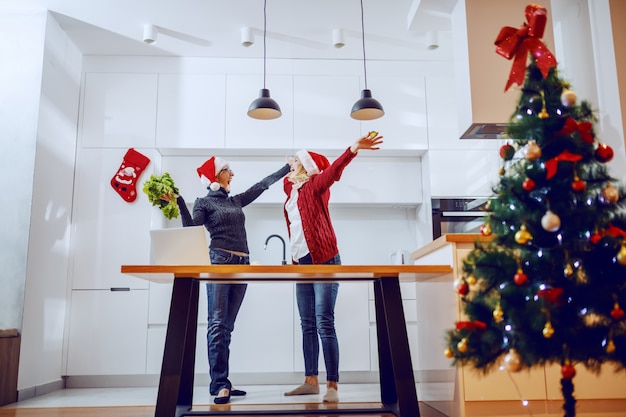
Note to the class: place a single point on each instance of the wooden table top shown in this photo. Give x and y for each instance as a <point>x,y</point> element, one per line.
<point>264,273</point>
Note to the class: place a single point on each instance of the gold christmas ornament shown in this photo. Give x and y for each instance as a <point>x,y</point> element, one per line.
<point>533,151</point>
<point>471,279</point>
<point>610,193</point>
<point>568,270</point>
<point>448,353</point>
<point>550,221</point>
<point>621,255</point>
<point>462,345</point>
<point>513,361</point>
<point>523,236</point>
<point>548,330</point>
<point>543,114</point>
<point>501,171</point>
<point>610,347</point>
<point>498,314</point>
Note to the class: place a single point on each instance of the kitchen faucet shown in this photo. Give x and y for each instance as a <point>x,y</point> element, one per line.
<point>284,262</point>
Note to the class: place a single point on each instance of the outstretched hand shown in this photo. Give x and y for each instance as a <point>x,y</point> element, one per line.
<point>368,143</point>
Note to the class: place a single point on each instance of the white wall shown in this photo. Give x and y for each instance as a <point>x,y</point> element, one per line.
<point>21,46</point>
<point>45,301</point>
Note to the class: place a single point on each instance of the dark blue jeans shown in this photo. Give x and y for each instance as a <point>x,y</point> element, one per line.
<point>316,304</point>
<point>224,301</point>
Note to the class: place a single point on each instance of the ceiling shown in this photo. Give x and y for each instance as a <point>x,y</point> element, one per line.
<point>296,29</point>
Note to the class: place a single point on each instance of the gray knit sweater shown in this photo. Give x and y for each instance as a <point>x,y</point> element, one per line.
<point>223,216</point>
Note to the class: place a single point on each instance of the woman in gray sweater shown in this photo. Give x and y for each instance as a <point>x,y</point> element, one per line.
<point>223,217</point>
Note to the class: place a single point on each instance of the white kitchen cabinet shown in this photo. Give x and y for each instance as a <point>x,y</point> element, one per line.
<point>119,110</point>
<point>107,332</point>
<point>266,316</point>
<point>190,111</point>
<point>367,181</point>
<point>108,231</point>
<point>364,181</point>
<point>351,325</point>
<point>463,173</point>
<point>322,107</point>
<point>404,125</point>
<point>243,132</point>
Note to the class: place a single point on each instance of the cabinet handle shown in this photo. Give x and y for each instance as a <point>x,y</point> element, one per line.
<point>120,289</point>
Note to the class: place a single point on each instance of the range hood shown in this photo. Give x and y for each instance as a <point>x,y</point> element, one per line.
<point>485,131</point>
<point>483,107</point>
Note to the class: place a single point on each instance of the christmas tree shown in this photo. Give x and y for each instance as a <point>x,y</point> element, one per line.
<point>550,286</point>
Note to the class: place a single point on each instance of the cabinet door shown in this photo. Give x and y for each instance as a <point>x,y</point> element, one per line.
<point>366,180</point>
<point>243,132</point>
<point>263,337</point>
<point>190,111</point>
<point>107,332</point>
<point>108,231</point>
<point>404,125</point>
<point>119,110</point>
<point>322,107</point>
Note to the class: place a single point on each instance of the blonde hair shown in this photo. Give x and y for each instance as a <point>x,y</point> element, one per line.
<point>298,176</point>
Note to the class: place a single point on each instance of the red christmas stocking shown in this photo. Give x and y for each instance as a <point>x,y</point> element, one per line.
<point>125,179</point>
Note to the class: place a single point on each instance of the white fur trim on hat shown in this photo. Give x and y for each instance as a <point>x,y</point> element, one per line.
<point>312,162</point>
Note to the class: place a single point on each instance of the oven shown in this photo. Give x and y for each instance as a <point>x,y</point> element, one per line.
<point>458,215</point>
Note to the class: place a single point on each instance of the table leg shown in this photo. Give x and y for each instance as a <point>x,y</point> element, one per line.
<point>175,395</point>
<point>397,384</point>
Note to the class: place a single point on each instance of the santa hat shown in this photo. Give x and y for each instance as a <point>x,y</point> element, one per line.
<point>209,170</point>
<point>313,163</point>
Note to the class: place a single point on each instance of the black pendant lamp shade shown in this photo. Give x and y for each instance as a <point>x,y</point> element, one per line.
<point>264,107</point>
<point>367,107</point>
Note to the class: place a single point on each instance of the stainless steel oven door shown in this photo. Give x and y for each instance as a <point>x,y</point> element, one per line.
<point>458,216</point>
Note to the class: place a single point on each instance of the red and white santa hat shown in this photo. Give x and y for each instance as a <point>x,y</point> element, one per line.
<point>313,163</point>
<point>209,170</point>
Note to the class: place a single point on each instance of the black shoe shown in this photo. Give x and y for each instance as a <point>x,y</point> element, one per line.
<point>222,400</point>
<point>237,393</point>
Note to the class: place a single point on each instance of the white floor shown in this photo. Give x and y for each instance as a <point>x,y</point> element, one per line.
<point>257,394</point>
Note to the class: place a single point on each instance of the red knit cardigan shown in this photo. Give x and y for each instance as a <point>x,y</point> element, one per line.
<point>313,199</point>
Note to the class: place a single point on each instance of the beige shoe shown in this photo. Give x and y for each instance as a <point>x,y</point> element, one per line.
<point>304,389</point>
<point>331,396</point>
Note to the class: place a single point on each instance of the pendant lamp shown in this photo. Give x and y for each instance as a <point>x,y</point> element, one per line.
<point>367,107</point>
<point>264,107</point>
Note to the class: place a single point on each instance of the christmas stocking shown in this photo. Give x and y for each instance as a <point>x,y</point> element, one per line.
<point>125,180</point>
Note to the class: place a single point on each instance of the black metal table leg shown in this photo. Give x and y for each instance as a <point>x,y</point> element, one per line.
<point>397,384</point>
<point>175,395</point>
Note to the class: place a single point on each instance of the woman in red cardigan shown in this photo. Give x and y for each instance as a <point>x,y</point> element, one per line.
<point>313,241</point>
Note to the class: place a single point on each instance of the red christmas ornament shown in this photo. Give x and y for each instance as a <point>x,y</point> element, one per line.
<point>506,152</point>
<point>528,184</point>
<point>617,313</point>
<point>568,371</point>
<point>463,288</point>
<point>579,185</point>
<point>520,277</point>
<point>604,153</point>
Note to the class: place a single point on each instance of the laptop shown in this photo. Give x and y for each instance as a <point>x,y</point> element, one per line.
<point>179,246</point>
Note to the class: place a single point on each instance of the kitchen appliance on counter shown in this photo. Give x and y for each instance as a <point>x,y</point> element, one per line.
<point>458,215</point>
<point>399,257</point>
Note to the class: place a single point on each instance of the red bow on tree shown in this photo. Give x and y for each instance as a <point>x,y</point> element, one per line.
<point>512,42</point>
<point>552,164</point>
<point>615,231</point>
<point>471,325</point>
<point>552,295</point>
<point>583,129</point>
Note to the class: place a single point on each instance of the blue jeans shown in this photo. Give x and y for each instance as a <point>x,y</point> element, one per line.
<point>316,304</point>
<point>224,301</point>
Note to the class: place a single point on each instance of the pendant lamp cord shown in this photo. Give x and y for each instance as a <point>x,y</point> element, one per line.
<point>363,39</point>
<point>264,41</point>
